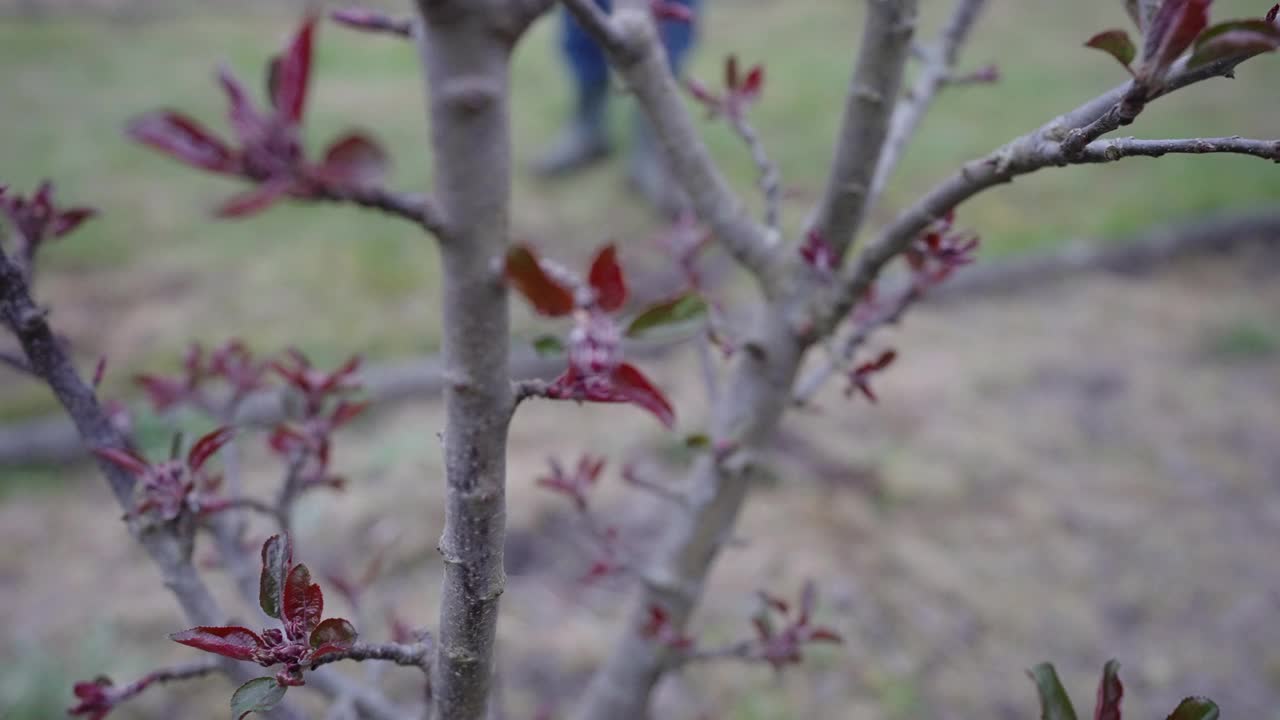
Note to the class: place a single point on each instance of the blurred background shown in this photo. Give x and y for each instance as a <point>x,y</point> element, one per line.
<point>1084,468</point>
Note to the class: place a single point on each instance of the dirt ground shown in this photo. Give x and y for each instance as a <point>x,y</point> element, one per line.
<point>1086,471</point>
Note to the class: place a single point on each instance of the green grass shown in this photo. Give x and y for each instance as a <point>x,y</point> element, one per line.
<point>338,280</point>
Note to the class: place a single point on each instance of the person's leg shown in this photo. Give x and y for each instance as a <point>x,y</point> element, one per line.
<point>645,168</point>
<point>585,137</point>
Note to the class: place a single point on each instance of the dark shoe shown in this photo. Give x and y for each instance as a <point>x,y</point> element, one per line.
<point>578,146</point>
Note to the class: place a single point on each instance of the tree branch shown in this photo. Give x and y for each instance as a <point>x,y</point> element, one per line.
<point>770,182</point>
<point>873,93</point>
<point>1041,148</point>
<point>632,45</point>
<point>1103,151</point>
<point>465,55</point>
<point>416,655</point>
<point>937,72</point>
<point>418,209</point>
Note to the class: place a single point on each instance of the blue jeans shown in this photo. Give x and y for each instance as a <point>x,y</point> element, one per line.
<point>587,61</point>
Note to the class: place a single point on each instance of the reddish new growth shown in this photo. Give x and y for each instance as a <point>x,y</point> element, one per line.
<point>1179,25</point>
<point>170,487</point>
<point>286,593</point>
<point>740,91</point>
<point>818,254</point>
<point>308,442</point>
<point>784,646</point>
<point>860,376</point>
<point>37,219</point>
<point>939,251</point>
<point>231,364</point>
<point>597,371</point>
<point>270,153</point>
<point>609,556</point>
<point>663,10</point>
<point>661,630</point>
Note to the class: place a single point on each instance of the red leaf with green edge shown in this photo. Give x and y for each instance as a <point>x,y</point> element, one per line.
<point>633,387</point>
<point>207,446</point>
<point>354,160</point>
<point>124,459</point>
<point>237,643</point>
<point>303,601</point>
<point>526,275</point>
<point>1054,703</point>
<point>336,632</point>
<point>294,73</point>
<point>258,695</point>
<point>1115,43</point>
<point>244,117</point>
<point>607,280</point>
<point>1195,708</point>
<point>680,309</point>
<point>1174,27</point>
<point>1110,693</point>
<point>183,139</point>
<point>70,219</point>
<point>277,556</point>
<point>256,200</point>
<point>1238,38</point>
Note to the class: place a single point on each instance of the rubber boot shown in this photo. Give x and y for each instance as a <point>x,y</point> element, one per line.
<point>583,141</point>
<point>647,171</point>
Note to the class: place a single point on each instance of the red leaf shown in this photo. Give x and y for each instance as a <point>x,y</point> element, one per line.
<point>671,11</point>
<point>183,139</point>
<point>526,275</point>
<point>234,642</point>
<point>334,632</point>
<point>244,117</point>
<point>1110,692</point>
<point>303,601</point>
<point>607,280</point>
<point>205,447</point>
<point>277,555</point>
<point>70,219</point>
<point>124,459</point>
<point>754,84</point>
<point>822,634</point>
<point>256,200</point>
<point>1173,28</point>
<point>354,160</point>
<point>1273,13</point>
<point>294,73</point>
<point>633,387</point>
<point>1115,43</point>
<point>1239,38</point>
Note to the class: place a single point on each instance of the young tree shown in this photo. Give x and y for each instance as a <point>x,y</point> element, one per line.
<point>819,293</point>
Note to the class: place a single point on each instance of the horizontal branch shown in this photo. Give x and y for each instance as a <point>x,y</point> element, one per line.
<point>1102,151</point>
<point>415,655</point>
<point>418,209</point>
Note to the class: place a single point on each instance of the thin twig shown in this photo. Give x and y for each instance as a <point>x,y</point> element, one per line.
<point>16,362</point>
<point>418,209</point>
<point>416,655</point>
<point>1103,151</point>
<point>839,359</point>
<point>937,72</point>
<point>770,180</point>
